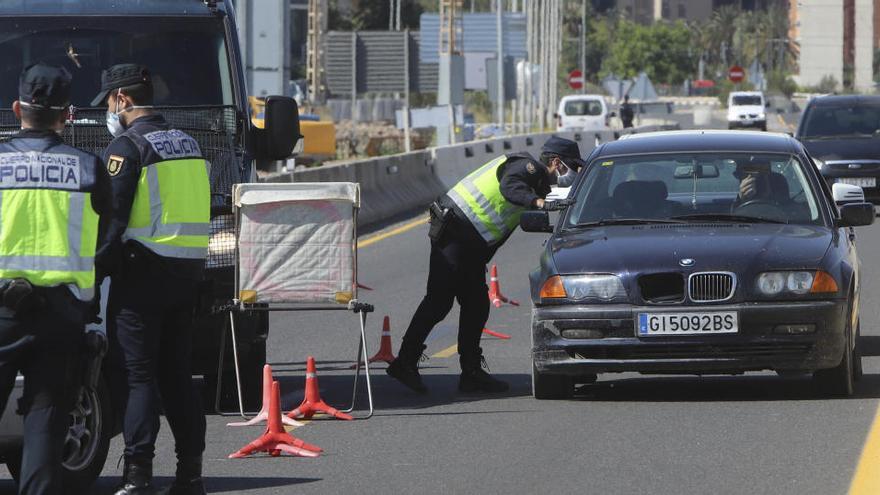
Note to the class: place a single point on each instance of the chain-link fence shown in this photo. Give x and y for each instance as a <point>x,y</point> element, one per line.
<point>220,133</point>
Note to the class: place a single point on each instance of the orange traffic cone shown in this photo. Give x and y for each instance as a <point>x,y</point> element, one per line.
<point>263,415</point>
<point>313,403</point>
<point>275,440</point>
<point>495,294</point>
<point>495,334</point>
<point>385,353</point>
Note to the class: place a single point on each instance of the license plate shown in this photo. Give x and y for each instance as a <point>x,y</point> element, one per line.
<point>651,324</point>
<point>859,181</point>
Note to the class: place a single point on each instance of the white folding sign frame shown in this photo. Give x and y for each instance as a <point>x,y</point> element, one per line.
<point>296,250</point>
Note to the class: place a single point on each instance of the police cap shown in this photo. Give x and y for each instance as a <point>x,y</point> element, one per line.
<point>120,76</point>
<point>567,149</point>
<point>44,86</point>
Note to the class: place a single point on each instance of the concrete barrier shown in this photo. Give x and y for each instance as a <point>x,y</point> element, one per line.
<point>397,183</point>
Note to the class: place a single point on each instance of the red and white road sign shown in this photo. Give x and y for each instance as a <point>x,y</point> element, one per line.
<point>736,74</point>
<point>576,79</point>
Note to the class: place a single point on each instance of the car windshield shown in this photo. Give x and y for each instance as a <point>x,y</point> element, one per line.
<point>583,107</point>
<point>741,187</point>
<point>743,100</point>
<point>188,59</point>
<point>842,121</point>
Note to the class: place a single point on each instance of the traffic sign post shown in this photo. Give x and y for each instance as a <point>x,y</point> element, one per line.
<point>736,74</point>
<point>576,79</point>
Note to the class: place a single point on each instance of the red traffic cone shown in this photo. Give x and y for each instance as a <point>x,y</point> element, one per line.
<point>275,440</point>
<point>495,294</point>
<point>495,334</point>
<point>313,403</point>
<point>385,353</point>
<point>263,415</point>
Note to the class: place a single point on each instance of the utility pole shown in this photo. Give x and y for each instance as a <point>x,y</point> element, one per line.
<point>499,72</point>
<point>317,26</point>
<point>583,45</point>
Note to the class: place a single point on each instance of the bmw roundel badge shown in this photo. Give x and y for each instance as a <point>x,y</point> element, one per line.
<point>686,262</point>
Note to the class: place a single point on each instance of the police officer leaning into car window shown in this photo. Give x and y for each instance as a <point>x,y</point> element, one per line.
<point>160,226</point>
<point>52,200</point>
<point>468,224</point>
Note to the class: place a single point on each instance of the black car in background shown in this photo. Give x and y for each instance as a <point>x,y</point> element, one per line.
<point>698,252</point>
<point>842,134</point>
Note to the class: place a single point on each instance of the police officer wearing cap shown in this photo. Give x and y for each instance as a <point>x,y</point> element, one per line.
<point>468,225</point>
<point>53,198</point>
<point>160,226</point>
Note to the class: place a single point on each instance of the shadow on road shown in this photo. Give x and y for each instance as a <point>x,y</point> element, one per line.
<point>718,389</point>
<point>214,484</point>
<point>870,345</point>
<point>391,398</point>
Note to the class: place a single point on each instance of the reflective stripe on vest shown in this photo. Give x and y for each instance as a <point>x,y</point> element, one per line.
<point>479,196</point>
<point>49,237</point>
<point>171,212</point>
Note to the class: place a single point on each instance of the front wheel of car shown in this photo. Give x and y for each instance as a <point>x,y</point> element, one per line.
<point>551,387</point>
<point>839,380</point>
<point>86,443</point>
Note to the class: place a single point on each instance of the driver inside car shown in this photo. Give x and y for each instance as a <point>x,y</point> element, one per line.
<point>758,183</point>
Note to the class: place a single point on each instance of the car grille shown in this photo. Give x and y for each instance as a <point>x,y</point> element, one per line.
<point>711,286</point>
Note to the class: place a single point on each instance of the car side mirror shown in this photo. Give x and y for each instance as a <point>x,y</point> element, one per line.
<point>856,215</point>
<point>847,193</point>
<point>280,132</point>
<point>612,114</point>
<point>535,221</point>
<point>555,115</point>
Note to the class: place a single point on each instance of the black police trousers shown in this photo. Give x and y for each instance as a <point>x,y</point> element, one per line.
<point>44,345</point>
<point>457,271</point>
<point>150,328</point>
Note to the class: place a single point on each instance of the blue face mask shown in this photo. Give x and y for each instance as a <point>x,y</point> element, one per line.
<point>567,179</point>
<point>114,125</point>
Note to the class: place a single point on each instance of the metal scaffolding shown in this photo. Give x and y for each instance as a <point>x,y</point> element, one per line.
<point>317,27</point>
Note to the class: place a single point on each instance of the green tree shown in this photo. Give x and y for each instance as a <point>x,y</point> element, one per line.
<point>369,15</point>
<point>662,50</point>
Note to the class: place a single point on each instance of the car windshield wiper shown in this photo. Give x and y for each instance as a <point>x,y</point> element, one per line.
<point>626,221</point>
<point>722,217</point>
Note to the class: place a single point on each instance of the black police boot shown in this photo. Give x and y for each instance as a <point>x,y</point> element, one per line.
<point>405,369</point>
<point>188,479</point>
<point>474,379</point>
<point>137,479</point>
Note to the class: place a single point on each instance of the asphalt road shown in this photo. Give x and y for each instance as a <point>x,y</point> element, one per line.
<point>629,434</point>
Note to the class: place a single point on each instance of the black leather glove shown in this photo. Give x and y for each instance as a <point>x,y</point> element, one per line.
<point>556,205</point>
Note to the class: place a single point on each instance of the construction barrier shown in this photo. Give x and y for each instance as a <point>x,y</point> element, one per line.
<point>396,184</point>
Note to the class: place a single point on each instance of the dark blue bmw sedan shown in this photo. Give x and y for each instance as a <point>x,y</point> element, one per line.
<point>699,252</point>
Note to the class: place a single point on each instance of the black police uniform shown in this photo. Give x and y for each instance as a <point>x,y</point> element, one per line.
<point>458,267</point>
<point>150,316</point>
<point>44,342</point>
<point>627,114</point>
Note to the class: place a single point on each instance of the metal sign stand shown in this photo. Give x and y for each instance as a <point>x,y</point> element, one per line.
<point>362,354</point>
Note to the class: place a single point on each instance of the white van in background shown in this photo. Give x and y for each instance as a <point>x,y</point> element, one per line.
<point>746,109</point>
<point>583,112</point>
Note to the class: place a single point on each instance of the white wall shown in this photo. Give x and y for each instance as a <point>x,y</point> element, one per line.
<point>264,36</point>
<point>821,40</point>
<point>864,39</point>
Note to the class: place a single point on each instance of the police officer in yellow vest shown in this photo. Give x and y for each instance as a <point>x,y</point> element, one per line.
<point>52,197</point>
<point>468,225</point>
<point>160,228</point>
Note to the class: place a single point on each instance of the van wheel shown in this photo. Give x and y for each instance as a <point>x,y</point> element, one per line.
<point>545,386</point>
<point>86,443</point>
<point>857,354</point>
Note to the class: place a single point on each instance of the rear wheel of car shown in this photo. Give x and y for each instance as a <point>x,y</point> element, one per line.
<point>839,380</point>
<point>86,444</point>
<point>857,353</point>
<point>546,386</point>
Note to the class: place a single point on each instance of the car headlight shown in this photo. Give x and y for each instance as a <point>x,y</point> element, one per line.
<point>595,287</point>
<point>795,283</point>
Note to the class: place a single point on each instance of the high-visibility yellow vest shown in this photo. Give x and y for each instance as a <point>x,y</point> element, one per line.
<point>48,235</point>
<point>479,196</point>
<point>171,212</point>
